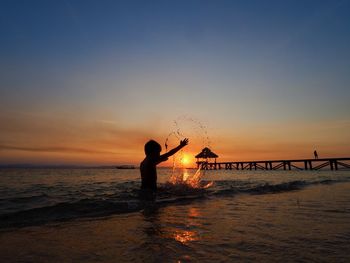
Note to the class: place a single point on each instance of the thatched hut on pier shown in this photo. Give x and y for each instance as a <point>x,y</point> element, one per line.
<point>205,155</point>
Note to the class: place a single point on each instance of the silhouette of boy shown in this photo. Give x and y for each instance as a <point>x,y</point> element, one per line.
<point>153,158</point>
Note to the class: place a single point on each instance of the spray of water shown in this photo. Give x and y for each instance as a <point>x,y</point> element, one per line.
<point>186,127</point>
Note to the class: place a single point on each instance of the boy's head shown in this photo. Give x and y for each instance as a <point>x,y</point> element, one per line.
<point>152,148</point>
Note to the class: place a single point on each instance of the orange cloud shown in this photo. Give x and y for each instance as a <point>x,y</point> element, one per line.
<point>52,139</point>
<point>64,138</point>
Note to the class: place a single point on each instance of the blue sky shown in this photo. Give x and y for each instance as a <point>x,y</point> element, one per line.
<point>143,62</point>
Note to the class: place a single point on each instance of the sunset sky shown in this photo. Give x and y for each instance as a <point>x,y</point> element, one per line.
<point>89,82</point>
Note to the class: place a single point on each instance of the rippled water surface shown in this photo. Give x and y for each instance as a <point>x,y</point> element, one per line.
<point>96,215</point>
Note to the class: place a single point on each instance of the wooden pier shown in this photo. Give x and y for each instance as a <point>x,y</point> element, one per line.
<point>301,164</point>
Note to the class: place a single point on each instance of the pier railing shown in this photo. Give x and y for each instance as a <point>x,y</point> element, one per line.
<point>301,164</point>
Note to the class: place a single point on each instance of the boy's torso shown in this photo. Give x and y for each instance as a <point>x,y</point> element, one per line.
<point>148,174</point>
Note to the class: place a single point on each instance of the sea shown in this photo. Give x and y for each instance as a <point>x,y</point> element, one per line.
<point>98,215</point>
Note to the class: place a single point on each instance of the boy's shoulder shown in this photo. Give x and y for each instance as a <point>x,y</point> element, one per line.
<point>148,161</point>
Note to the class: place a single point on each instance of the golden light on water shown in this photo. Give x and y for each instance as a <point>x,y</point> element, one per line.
<point>186,175</point>
<point>185,236</point>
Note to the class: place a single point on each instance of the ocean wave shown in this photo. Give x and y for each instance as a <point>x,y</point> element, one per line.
<point>66,211</point>
<point>126,199</point>
<point>232,187</point>
<point>24,198</point>
<point>83,209</point>
<point>263,188</point>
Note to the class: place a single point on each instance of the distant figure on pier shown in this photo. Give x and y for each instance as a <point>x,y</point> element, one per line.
<point>315,154</point>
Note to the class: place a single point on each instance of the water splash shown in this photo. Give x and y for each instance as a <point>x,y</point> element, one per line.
<point>187,127</point>
<point>185,183</point>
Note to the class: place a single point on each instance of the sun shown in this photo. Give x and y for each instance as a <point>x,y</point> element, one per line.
<point>186,160</point>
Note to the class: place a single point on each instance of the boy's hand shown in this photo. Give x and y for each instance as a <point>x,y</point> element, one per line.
<point>184,142</point>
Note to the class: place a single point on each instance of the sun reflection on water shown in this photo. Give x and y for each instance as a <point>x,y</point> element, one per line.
<point>194,212</point>
<point>185,236</point>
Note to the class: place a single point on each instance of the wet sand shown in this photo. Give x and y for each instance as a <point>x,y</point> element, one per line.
<point>309,225</point>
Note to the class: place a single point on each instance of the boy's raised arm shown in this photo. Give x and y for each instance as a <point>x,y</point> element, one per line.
<point>182,144</point>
